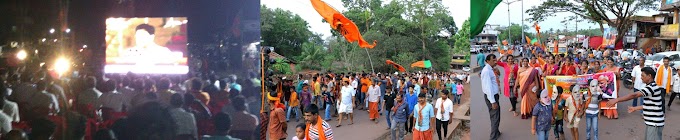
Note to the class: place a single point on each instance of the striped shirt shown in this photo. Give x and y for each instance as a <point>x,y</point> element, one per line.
<point>594,106</point>
<point>314,133</point>
<point>652,110</point>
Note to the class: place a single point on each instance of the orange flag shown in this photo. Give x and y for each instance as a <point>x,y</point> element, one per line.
<point>395,65</point>
<point>555,50</point>
<point>528,39</point>
<point>341,23</point>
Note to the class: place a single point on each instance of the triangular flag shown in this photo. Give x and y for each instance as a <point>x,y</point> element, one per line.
<point>422,64</point>
<point>341,24</point>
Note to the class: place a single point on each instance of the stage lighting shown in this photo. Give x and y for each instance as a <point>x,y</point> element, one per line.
<point>22,55</point>
<point>61,66</point>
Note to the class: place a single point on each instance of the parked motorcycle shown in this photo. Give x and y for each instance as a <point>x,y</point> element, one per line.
<point>627,69</point>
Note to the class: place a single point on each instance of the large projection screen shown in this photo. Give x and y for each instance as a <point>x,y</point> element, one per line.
<point>146,45</point>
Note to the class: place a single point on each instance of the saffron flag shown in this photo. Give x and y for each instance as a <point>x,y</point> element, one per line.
<point>341,23</point>
<point>480,11</point>
<point>395,65</point>
<point>422,64</point>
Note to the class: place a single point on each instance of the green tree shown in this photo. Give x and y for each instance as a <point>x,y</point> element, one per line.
<point>515,33</point>
<point>284,31</point>
<point>462,38</point>
<point>281,67</point>
<point>616,13</point>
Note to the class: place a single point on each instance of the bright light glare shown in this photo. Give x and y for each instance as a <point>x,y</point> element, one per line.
<point>61,65</point>
<point>44,39</point>
<point>21,55</point>
<point>51,30</point>
<point>84,46</point>
<point>68,30</point>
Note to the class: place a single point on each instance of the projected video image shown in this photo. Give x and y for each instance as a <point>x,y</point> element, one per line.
<point>146,45</point>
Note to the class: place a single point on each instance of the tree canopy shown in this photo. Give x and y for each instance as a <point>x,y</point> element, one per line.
<point>615,13</point>
<point>406,32</point>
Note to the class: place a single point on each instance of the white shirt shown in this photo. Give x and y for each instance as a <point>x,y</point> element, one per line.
<point>185,123</point>
<point>666,73</point>
<point>11,109</point>
<point>5,123</point>
<point>374,93</point>
<point>676,83</point>
<point>347,93</point>
<point>489,84</point>
<point>637,74</point>
<point>448,109</point>
<point>355,84</point>
<point>113,100</point>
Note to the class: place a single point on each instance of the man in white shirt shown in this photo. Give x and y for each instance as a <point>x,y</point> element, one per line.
<point>373,100</point>
<point>637,80</point>
<point>675,83</point>
<point>346,101</point>
<point>490,89</point>
<point>10,108</point>
<point>443,108</point>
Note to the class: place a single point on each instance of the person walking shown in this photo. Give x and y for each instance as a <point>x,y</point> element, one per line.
<point>675,83</point>
<point>444,111</point>
<point>399,117</point>
<point>373,100</point>
<point>593,101</point>
<point>293,105</point>
<point>346,101</point>
<point>424,119</point>
<point>542,117</point>
<point>638,84</point>
<point>490,89</point>
<point>388,103</point>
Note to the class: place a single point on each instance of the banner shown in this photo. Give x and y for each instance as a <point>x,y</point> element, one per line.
<point>606,82</point>
<point>609,37</point>
<point>669,30</point>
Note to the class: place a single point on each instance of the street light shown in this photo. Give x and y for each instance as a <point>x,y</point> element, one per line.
<point>508,3</point>
<point>68,30</point>
<point>52,31</point>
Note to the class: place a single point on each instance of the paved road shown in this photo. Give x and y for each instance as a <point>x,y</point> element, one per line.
<point>363,128</point>
<point>628,126</point>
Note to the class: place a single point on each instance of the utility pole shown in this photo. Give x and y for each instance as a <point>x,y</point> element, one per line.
<point>508,2</point>
<point>523,37</point>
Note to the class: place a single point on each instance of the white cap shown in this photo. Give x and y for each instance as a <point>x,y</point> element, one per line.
<point>306,82</point>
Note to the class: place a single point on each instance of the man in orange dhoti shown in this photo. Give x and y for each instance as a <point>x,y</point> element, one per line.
<point>373,100</point>
<point>424,119</point>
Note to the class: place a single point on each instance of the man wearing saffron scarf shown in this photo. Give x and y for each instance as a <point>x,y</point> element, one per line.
<point>315,123</point>
<point>663,75</point>
<point>424,119</point>
<point>277,120</point>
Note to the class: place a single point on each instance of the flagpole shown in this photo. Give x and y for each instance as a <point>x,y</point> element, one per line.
<point>369,60</point>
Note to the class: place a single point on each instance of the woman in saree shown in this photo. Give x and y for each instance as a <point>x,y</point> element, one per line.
<point>509,76</point>
<point>610,67</point>
<point>530,86</point>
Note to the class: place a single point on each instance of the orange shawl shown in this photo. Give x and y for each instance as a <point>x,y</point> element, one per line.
<point>319,128</point>
<point>659,81</point>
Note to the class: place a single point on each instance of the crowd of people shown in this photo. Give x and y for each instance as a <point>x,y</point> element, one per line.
<point>404,100</point>
<point>523,77</point>
<point>42,106</point>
